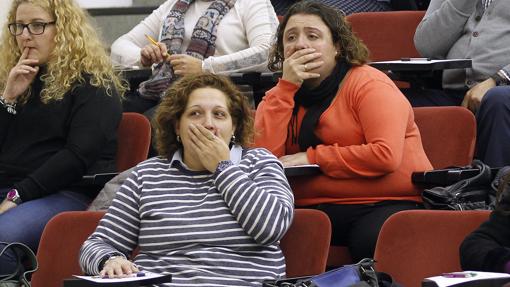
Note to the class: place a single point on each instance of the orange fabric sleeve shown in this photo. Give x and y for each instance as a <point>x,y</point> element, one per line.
<point>273,116</point>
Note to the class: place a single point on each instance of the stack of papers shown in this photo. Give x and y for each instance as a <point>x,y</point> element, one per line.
<point>467,279</point>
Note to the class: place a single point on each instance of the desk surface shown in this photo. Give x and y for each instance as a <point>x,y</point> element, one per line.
<point>422,65</point>
<point>309,169</point>
<point>444,177</point>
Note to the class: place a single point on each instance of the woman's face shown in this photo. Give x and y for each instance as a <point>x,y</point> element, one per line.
<point>40,46</point>
<point>309,31</point>
<point>207,107</point>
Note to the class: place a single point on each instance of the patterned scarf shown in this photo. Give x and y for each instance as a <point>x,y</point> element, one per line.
<point>201,45</point>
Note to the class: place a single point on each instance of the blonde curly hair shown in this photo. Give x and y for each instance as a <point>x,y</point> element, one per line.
<point>78,50</point>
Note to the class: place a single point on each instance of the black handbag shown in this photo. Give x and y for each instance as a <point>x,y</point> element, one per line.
<point>20,276</point>
<point>361,274</point>
<point>476,192</point>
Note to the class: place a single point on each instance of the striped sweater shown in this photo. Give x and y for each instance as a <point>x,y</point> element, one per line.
<point>205,229</point>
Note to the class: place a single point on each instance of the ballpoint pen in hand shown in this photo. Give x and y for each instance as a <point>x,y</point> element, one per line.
<point>154,42</point>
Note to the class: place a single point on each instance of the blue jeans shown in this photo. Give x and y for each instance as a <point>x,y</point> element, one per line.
<point>25,223</point>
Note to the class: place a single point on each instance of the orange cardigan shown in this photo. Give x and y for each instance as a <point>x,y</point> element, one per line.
<point>371,144</point>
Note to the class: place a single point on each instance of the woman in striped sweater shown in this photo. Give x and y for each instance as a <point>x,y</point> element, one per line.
<point>207,211</point>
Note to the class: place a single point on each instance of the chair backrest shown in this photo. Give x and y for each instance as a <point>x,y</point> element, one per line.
<point>306,243</point>
<point>134,139</point>
<point>416,244</point>
<point>448,135</point>
<point>388,35</point>
<point>60,244</point>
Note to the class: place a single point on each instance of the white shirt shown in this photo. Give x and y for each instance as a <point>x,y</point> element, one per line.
<point>243,39</point>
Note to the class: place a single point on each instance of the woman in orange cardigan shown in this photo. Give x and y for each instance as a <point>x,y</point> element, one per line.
<point>331,109</point>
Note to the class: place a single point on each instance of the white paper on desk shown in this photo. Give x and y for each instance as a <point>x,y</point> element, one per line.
<point>417,61</point>
<point>442,281</point>
<point>303,165</point>
<point>148,275</point>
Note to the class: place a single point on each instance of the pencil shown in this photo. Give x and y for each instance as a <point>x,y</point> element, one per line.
<point>154,42</point>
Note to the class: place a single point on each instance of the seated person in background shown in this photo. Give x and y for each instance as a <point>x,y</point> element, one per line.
<point>207,210</point>
<point>346,6</point>
<point>217,36</point>
<point>331,109</point>
<point>488,247</point>
<point>59,112</point>
<point>478,30</point>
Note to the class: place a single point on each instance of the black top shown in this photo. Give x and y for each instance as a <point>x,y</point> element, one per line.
<point>488,247</point>
<point>47,147</point>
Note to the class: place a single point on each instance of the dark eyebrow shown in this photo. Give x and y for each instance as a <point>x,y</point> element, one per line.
<point>313,29</point>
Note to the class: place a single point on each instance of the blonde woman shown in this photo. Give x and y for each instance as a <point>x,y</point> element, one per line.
<point>59,111</point>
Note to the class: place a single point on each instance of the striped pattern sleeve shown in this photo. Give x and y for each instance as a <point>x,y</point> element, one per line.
<point>261,200</point>
<point>117,231</point>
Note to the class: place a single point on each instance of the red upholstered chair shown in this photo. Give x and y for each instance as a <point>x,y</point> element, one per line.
<point>134,139</point>
<point>305,245</point>
<point>415,244</point>
<point>60,244</point>
<point>448,135</point>
<point>388,35</point>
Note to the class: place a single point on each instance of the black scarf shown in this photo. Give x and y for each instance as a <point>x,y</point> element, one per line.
<point>316,101</point>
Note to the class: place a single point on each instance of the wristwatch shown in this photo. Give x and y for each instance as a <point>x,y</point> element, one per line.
<point>499,79</point>
<point>13,196</point>
<point>222,165</point>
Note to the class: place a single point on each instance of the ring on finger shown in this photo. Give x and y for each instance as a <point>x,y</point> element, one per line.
<point>306,68</point>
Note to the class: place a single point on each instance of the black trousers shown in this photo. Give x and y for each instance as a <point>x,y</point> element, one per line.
<point>357,226</point>
<point>493,119</point>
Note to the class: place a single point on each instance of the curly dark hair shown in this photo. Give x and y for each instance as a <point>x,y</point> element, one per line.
<point>176,98</point>
<point>351,47</point>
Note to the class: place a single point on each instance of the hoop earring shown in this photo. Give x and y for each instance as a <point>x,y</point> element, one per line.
<point>178,138</point>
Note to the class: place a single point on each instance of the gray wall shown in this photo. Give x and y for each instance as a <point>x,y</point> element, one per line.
<point>112,27</point>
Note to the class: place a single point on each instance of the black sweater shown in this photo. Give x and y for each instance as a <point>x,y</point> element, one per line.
<point>45,148</point>
<point>488,247</point>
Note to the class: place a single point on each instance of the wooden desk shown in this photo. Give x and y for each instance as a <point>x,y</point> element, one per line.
<point>420,73</point>
<point>112,11</point>
<point>444,177</point>
<point>422,65</point>
<point>302,170</point>
<point>76,282</point>
<point>130,73</point>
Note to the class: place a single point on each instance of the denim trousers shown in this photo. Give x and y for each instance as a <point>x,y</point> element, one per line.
<point>25,222</point>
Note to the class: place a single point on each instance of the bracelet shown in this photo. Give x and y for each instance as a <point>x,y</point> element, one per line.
<point>11,107</point>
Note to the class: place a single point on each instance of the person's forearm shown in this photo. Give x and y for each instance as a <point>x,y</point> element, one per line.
<point>273,116</point>
<point>263,205</point>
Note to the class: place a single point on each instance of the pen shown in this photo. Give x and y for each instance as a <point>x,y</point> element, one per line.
<point>459,275</point>
<point>415,59</point>
<point>137,274</point>
<point>154,42</point>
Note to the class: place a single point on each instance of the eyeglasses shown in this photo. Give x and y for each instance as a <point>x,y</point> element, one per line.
<point>34,28</point>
